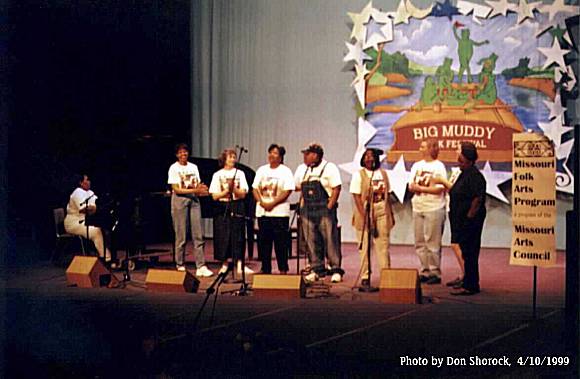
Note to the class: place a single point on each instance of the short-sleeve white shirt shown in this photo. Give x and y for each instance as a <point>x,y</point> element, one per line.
<point>78,202</point>
<point>270,182</point>
<point>219,181</point>
<point>185,176</point>
<point>330,175</point>
<point>421,173</point>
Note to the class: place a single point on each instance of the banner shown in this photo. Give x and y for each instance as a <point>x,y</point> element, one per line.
<point>533,201</point>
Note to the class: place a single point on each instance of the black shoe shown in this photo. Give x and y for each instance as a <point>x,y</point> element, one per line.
<point>454,282</point>
<point>434,280</point>
<point>365,283</point>
<point>458,285</point>
<point>423,278</point>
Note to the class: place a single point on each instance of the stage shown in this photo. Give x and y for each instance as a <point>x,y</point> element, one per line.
<point>59,331</point>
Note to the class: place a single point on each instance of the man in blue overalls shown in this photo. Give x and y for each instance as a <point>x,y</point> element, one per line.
<point>320,184</point>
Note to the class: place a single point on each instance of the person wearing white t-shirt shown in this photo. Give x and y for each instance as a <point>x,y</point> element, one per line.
<point>82,202</point>
<point>272,185</point>
<point>428,210</point>
<point>370,189</point>
<point>320,184</point>
<point>229,187</point>
<point>186,185</point>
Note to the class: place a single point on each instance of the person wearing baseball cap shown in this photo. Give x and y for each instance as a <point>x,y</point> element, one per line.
<point>320,183</point>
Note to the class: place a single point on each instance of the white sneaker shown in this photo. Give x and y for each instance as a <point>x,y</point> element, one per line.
<point>311,278</point>
<point>336,278</point>
<point>204,272</point>
<point>247,270</point>
<point>180,268</point>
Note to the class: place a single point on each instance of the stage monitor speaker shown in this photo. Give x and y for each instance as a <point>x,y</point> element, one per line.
<point>279,286</point>
<point>87,272</point>
<point>171,281</point>
<point>400,286</point>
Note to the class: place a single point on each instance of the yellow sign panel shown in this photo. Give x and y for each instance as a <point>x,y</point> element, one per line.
<point>533,201</point>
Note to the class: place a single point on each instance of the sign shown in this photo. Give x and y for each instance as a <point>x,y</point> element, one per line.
<point>533,201</point>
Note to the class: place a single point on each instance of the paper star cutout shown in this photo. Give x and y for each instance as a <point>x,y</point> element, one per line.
<point>402,15</point>
<point>493,180</point>
<point>358,19</point>
<point>525,11</point>
<point>558,6</point>
<point>554,130</point>
<point>445,9</point>
<point>355,53</point>
<point>500,7</point>
<point>406,10</point>
<point>366,131</point>
<point>556,108</point>
<point>378,33</point>
<point>359,83</point>
<point>554,54</point>
<point>563,151</point>
<point>398,178</point>
<point>479,11</point>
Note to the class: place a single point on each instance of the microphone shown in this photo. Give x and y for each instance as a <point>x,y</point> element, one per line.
<point>242,149</point>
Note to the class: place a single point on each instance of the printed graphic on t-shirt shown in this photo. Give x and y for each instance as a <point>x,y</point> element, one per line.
<point>188,180</point>
<point>224,183</point>
<point>269,188</point>
<point>423,178</point>
<point>378,190</point>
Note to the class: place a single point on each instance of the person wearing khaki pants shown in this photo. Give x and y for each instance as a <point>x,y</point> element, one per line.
<point>371,183</point>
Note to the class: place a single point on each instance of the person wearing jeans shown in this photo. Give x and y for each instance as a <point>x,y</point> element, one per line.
<point>320,184</point>
<point>186,186</point>
<point>428,210</point>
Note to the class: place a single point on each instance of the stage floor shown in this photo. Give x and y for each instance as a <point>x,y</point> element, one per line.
<point>59,331</point>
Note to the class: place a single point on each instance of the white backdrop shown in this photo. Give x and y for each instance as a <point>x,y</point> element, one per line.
<point>268,71</point>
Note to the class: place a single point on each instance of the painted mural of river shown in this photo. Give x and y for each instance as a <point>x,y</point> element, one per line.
<point>527,106</point>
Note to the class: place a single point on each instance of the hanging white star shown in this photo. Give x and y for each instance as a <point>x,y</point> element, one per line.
<point>401,15</point>
<point>554,54</point>
<point>525,11</point>
<point>479,11</point>
<point>554,130</point>
<point>398,178</point>
<point>500,7</point>
<point>493,180</point>
<point>359,83</point>
<point>378,33</point>
<point>359,19</point>
<point>556,108</point>
<point>563,151</point>
<point>558,6</point>
<point>365,132</point>
<point>355,53</point>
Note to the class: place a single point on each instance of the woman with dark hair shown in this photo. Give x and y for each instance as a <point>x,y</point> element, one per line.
<point>272,185</point>
<point>467,215</point>
<point>82,202</point>
<point>229,187</point>
<point>371,184</point>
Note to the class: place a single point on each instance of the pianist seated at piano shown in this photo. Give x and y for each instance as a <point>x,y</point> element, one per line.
<point>82,202</point>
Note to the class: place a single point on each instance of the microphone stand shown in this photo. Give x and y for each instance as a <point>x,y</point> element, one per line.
<point>298,225</point>
<point>229,212</point>
<point>367,227</point>
<point>212,289</point>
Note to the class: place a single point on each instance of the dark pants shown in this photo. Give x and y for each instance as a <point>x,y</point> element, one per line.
<point>229,228</point>
<point>273,230</point>
<point>470,243</point>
